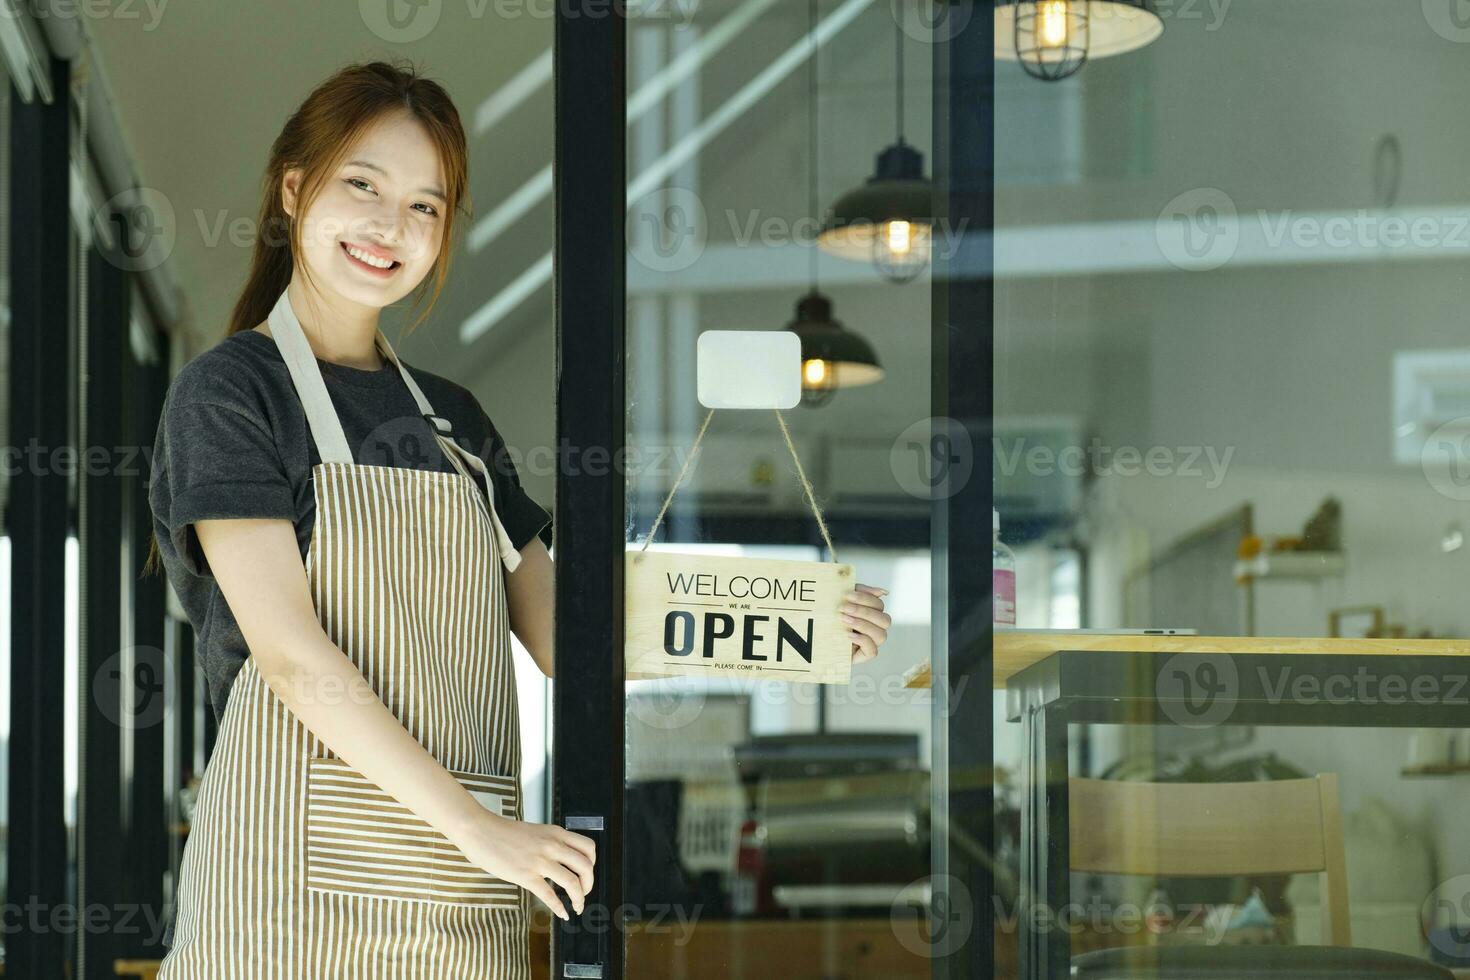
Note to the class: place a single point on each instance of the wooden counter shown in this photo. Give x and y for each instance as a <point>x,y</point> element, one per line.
<point>1016,650</point>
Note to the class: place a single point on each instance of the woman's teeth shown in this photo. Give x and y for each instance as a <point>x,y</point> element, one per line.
<point>373,261</point>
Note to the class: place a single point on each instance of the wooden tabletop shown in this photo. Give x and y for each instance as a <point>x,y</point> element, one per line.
<point>1016,650</point>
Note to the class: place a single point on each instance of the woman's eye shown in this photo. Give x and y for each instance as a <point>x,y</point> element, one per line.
<point>359,183</point>
<point>431,210</point>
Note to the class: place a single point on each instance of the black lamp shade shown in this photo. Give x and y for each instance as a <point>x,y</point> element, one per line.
<point>897,191</point>
<point>848,358</point>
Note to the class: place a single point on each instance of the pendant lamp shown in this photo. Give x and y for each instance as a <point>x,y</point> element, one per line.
<point>832,356</point>
<point>1054,38</point>
<point>890,219</point>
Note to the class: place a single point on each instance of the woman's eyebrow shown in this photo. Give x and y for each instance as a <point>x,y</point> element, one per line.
<point>433,191</point>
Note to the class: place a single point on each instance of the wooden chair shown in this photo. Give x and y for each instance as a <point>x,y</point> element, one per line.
<point>1288,826</point>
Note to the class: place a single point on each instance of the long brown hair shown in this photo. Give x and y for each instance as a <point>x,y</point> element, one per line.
<point>316,139</point>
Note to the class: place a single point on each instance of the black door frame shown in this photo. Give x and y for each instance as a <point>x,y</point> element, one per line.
<point>963,908</point>
<point>590,182</point>
<point>38,518</point>
<point>588,309</point>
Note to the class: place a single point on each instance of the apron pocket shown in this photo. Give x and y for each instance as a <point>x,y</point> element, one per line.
<point>361,841</point>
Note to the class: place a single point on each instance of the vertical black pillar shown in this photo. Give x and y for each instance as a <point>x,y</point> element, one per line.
<point>962,911</point>
<point>37,519</point>
<point>145,789</point>
<point>590,201</point>
<point>101,864</point>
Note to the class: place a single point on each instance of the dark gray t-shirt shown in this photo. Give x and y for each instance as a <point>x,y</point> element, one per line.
<point>233,442</point>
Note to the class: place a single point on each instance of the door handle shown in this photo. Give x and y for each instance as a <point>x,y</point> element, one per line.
<point>584,948</point>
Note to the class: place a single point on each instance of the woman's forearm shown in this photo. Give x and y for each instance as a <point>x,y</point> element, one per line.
<point>330,696</point>
<point>260,571</point>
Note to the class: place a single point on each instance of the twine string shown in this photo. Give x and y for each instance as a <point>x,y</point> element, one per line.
<point>693,451</point>
<point>806,484</point>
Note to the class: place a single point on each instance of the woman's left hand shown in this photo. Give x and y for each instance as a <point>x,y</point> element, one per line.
<point>867,623</point>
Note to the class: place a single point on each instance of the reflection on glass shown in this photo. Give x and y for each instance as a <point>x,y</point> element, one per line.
<point>787,803</point>
<point>1230,390</point>
<point>781,828</point>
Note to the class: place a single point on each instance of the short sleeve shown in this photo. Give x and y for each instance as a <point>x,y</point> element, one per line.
<point>523,518</point>
<point>214,458</point>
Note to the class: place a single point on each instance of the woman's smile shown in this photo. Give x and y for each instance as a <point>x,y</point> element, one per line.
<point>374,261</point>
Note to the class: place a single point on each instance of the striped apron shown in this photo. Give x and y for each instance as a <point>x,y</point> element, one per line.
<point>296,865</point>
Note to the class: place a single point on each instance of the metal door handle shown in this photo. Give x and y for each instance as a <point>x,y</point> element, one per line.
<point>586,951</point>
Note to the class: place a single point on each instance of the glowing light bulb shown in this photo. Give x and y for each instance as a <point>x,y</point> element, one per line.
<point>899,236</point>
<point>901,249</point>
<point>1052,18</point>
<point>815,373</point>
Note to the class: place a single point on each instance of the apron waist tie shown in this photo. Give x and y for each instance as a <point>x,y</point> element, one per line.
<point>508,553</point>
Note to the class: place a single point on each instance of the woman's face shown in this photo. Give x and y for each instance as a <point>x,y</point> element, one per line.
<point>375,230</point>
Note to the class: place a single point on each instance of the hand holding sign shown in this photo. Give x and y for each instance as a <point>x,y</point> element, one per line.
<point>866,621</point>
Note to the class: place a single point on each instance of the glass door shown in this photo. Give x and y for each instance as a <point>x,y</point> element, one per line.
<point>773,363</point>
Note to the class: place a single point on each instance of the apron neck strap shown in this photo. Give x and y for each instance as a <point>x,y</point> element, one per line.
<point>326,427</point>
<point>321,417</point>
<point>443,429</point>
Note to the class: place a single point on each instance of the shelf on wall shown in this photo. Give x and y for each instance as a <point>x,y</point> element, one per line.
<point>1299,565</point>
<point>1441,769</point>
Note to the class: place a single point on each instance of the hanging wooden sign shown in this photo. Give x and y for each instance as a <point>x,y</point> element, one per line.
<point>719,615</point>
<point>735,617</point>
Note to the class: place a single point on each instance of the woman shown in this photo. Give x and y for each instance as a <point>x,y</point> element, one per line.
<point>353,572</point>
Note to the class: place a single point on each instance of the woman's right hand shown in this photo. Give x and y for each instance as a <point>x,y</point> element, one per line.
<point>527,854</point>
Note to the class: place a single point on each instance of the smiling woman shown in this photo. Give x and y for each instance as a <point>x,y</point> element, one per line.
<point>342,531</point>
